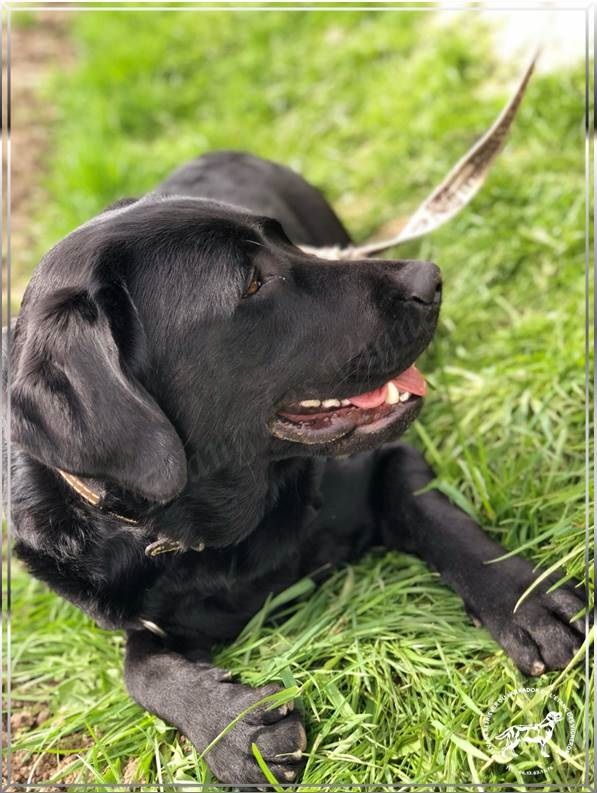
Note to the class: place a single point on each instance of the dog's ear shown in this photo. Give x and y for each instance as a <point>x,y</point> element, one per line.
<point>77,401</point>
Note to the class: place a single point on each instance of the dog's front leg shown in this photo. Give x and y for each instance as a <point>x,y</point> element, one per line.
<point>541,633</point>
<point>201,700</point>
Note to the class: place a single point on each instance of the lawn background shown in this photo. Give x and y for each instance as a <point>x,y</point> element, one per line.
<point>373,107</point>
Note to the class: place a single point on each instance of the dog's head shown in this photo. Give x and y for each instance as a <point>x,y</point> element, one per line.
<point>175,335</point>
<point>554,716</point>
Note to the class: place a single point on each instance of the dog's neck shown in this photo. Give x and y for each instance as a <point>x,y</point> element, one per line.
<point>215,510</point>
<point>224,508</point>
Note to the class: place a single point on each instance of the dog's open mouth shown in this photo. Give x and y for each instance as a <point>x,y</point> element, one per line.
<point>324,420</point>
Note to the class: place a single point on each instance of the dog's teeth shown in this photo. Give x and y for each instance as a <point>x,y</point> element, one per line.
<point>404,396</point>
<point>331,403</point>
<point>345,403</point>
<point>393,395</point>
<point>310,403</point>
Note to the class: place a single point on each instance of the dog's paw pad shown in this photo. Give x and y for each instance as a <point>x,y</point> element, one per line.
<point>277,732</point>
<point>285,738</point>
<point>540,637</point>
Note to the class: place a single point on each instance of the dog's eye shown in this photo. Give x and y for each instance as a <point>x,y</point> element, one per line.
<point>254,284</point>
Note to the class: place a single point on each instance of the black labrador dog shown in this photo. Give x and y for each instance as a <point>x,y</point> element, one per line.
<point>203,413</point>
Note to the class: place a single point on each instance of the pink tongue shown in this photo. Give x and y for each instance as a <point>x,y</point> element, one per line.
<point>410,380</point>
<point>372,399</point>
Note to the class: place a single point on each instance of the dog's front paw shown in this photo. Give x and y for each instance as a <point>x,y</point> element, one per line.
<point>540,634</point>
<point>278,734</point>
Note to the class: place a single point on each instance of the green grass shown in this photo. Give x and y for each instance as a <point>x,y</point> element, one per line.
<point>392,678</point>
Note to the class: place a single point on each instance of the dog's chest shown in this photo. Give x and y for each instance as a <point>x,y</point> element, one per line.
<point>208,597</point>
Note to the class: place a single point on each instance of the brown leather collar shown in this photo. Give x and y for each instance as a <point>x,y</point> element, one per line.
<point>95,498</point>
<point>91,496</point>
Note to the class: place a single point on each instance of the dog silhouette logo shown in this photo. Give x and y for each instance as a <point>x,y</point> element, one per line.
<point>512,737</point>
<point>531,733</point>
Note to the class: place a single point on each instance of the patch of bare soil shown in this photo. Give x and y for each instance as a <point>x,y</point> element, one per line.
<point>35,48</point>
<point>28,768</point>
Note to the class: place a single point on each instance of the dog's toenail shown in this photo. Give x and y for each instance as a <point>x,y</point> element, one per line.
<point>290,755</point>
<point>290,705</point>
<point>289,775</point>
<point>537,668</point>
<point>303,738</point>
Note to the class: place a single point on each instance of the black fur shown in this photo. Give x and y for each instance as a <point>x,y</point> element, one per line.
<point>138,363</point>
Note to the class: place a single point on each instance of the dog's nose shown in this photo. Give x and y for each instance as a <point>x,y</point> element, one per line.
<point>420,281</point>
